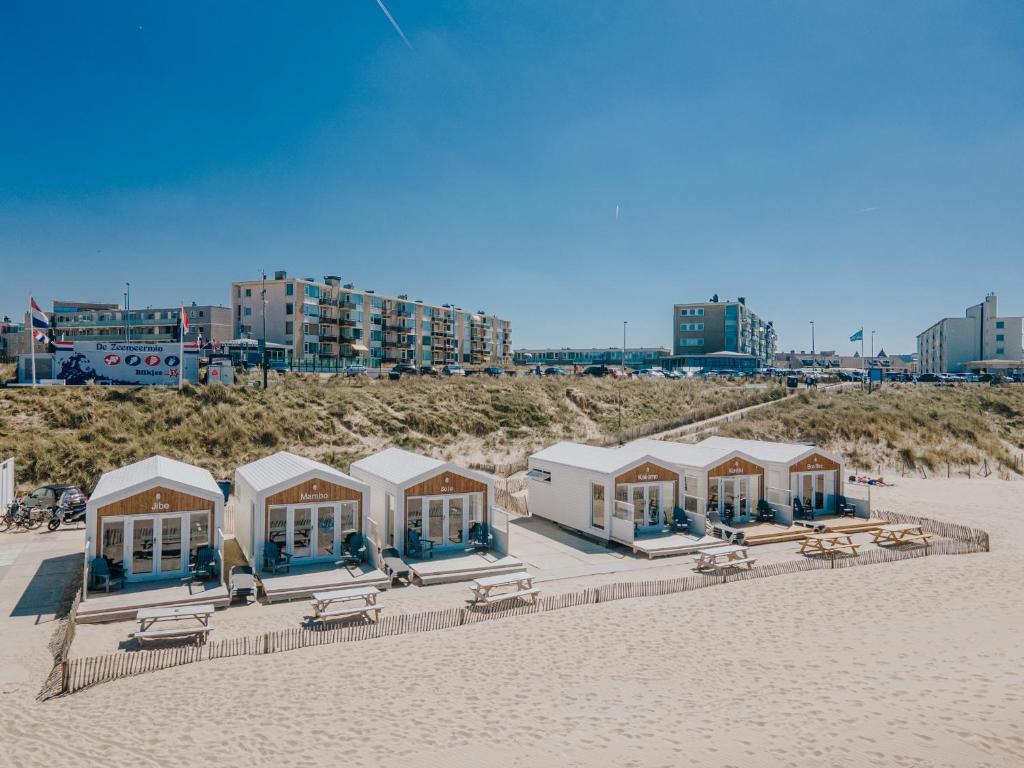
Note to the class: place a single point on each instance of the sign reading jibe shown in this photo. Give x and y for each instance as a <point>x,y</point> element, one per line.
<point>84,362</point>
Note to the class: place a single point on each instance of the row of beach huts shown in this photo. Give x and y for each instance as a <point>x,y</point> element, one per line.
<point>151,519</point>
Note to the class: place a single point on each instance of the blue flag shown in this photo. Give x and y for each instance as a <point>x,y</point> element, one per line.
<point>858,336</point>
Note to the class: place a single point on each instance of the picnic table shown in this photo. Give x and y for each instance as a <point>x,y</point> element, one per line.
<point>484,588</point>
<point>724,557</point>
<point>337,604</point>
<point>899,533</point>
<point>828,544</point>
<point>148,617</point>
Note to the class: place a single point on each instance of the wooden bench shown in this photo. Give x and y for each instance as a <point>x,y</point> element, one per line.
<point>735,563</point>
<point>521,580</point>
<point>336,614</point>
<point>199,633</point>
<point>533,593</point>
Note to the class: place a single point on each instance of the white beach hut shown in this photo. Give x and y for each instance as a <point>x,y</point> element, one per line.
<point>151,517</point>
<point>304,507</point>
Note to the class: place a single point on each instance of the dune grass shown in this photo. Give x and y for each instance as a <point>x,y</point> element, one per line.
<point>73,434</point>
<point>903,426</point>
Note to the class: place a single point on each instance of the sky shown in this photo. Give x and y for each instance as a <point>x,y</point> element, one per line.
<point>567,165</point>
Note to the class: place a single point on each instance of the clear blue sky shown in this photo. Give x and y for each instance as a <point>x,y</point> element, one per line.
<point>845,163</point>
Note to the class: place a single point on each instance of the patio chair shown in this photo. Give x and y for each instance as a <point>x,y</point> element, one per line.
<point>765,511</point>
<point>419,547</point>
<point>356,546</point>
<point>394,566</point>
<point>480,536</point>
<point>205,564</point>
<point>242,582</point>
<point>723,531</point>
<point>104,574</point>
<point>275,559</point>
<point>680,522</point>
<point>846,509</point>
<point>800,512</point>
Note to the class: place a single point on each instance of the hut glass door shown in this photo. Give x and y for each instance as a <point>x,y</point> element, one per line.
<point>326,532</point>
<point>301,532</point>
<point>156,544</point>
<point>143,543</point>
<point>170,544</point>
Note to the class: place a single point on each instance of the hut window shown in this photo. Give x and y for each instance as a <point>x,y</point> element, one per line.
<point>198,531</point>
<point>597,505</point>
<point>539,474</point>
<point>389,519</point>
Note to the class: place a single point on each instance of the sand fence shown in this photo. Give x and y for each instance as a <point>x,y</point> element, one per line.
<point>71,675</point>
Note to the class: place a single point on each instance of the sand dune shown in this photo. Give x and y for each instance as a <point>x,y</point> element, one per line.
<point>908,664</point>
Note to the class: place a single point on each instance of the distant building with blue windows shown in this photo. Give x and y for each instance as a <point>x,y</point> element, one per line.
<point>708,327</point>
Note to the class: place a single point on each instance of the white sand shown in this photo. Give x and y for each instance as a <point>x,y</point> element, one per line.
<point>908,664</point>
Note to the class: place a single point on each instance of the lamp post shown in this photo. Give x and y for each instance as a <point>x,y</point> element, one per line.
<point>872,344</point>
<point>263,339</point>
<point>127,312</point>
<point>624,323</point>
<point>812,337</point>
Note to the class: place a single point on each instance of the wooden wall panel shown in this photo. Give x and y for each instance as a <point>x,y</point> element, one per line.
<point>153,501</point>
<point>648,472</point>
<point>815,463</point>
<point>736,466</point>
<point>447,484</point>
<point>313,492</point>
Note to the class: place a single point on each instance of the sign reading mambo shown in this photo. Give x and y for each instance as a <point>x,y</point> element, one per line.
<point>105,362</point>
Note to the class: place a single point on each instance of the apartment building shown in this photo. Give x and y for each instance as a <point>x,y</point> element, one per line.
<point>328,320</point>
<point>830,359</point>
<point>706,327</point>
<point>87,321</point>
<point>979,342</point>
<point>592,356</point>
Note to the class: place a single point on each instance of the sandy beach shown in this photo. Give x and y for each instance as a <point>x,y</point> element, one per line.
<point>907,664</point>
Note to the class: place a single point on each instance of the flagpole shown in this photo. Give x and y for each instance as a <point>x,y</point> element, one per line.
<point>32,339</point>
<point>181,348</point>
<point>862,374</point>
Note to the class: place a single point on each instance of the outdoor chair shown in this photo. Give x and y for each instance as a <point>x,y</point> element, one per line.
<point>680,522</point>
<point>394,566</point>
<point>241,582</point>
<point>800,512</point>
<point>275,560</point>
<point>205,564</point>
<point>479,536</point>
<point>724,531</point>
<point>846,509</point>
<point>728,513</point>
<point>105,575</point>
<point>419,547</point>
<point>356,546</point>
<point>765,511</point>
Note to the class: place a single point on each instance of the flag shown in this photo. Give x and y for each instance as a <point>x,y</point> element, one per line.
<point>184,323</point>
<point>39,318</point>
<point>41,337</point>
<point>858,336</point>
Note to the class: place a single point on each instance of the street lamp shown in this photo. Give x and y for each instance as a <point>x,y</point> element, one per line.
<point>812,337</point>
<point>127,312</point>
<point>624,323</point>
<point>263,340</point>
<point>872,344</point>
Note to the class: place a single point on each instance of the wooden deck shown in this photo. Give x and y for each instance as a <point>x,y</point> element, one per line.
<point>121,604</point>
<point>671,544</point>
<point>462,566</point>
<point>773,533</point>
<point>303,580</point>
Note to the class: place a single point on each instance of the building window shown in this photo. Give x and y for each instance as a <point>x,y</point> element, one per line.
<point>289,290</point>
<point>1000,324</point>
<point>247,311</point>
<point>248,293</point>
<point>999,337</point>
<point>597,505</point>
<point>289,328</point>
<point>289,308</point>
<point>999,350</point>
<point>539,474</point>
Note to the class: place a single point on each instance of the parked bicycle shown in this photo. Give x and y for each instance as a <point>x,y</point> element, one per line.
<point>19,516</point>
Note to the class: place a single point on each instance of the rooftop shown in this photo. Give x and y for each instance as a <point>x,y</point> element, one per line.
<point>283,467</point>
<point>397,465</point>
<point>155,468</point>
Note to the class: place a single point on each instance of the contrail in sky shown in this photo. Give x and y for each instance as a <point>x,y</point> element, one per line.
<point>394,24</point>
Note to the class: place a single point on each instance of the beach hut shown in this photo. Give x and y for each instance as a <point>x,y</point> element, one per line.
<point>415,498</point>
<point>305,508</point>
<point>150,518</point>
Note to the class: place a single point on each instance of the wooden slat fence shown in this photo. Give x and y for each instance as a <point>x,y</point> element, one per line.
<point>77,674</point>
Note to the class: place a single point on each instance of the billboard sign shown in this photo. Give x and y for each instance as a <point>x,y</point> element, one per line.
<point>118,362</point>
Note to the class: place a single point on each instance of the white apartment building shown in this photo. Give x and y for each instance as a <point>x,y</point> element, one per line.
<point>326,320</point>
<point>980,342</point>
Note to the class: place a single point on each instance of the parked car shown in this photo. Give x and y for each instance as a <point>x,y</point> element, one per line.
<point>650,373</point>
<point>428,370</point>
<point>47,497</point>
<point>555,371</point>
<point>453,369</point>
<point>596,370</point>
<point>357,370</point>
<point>402,369</point>
<point>494,370</point>
<point>929,378</point>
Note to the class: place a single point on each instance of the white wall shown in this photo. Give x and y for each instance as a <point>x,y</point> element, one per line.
<point>566,499</point>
